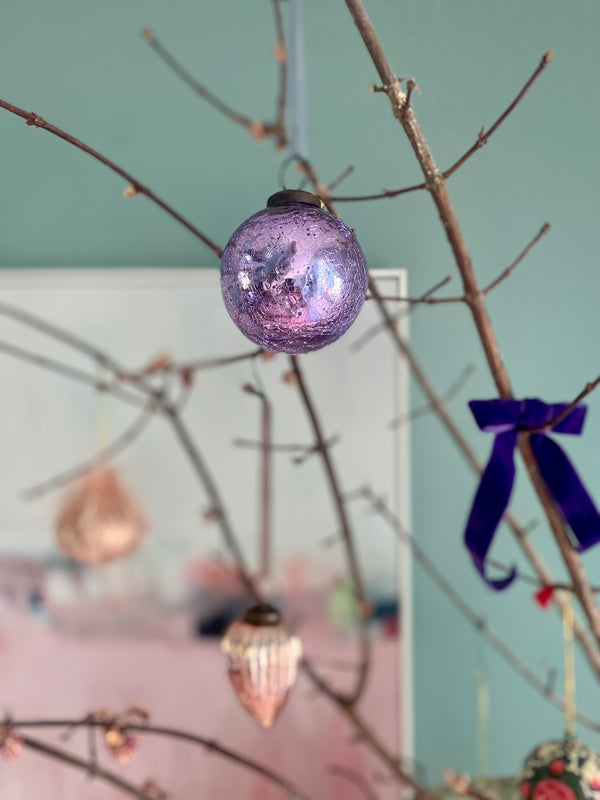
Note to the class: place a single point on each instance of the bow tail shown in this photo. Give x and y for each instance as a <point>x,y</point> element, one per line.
<point>489,505</point>
<point>564,484</point>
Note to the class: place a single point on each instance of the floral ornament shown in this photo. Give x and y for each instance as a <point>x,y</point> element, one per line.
<point>11,743</point>
<point>561,770</point>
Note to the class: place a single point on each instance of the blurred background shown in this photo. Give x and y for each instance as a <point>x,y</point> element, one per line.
<point>84,66</point>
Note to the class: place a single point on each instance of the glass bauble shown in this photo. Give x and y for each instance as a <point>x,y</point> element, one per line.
<point>99,520</point>
<point>263,658</point>
<point>293,276</point>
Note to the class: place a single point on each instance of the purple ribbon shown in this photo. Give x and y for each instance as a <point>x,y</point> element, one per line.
<point>506,418</point>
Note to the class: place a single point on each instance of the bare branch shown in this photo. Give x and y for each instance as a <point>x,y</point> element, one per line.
<point>87,766</point>
<point>510,269</point>
<point>346,533</point>
<point>440,580</point>
<point>424,298</point>
<point>483,138</point>
<point>444,399</point>
<point>212,363</point>
<point>31,118</point>
<point>266,429</point>
<point>67,371</point>
<point>210,745</point>
<point>342,177</point>
<point>587,389</point>
<point>520,532</point>
<point>435,182</point>
<point>355,778</point>
<point>218,512</point>
<point>258,129</point>
<point>305,451</point>
<point>370,333</point>
<point>384,193</point>
<point>115,448</point>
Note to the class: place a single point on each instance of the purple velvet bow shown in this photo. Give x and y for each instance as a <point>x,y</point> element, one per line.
<point>506,418</point>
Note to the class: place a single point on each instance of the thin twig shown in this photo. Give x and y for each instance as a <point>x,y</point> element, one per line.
<point>212,363</point>
<point>457,600</point>
<point>257,128</point>
<point>444,399</point>
<point>342,177</point>
<point>587,389</point>
<point>305,451</point>
<point>31,118</point>
<point>483,138</point>
<point>115,448</point>
<point>210,745</point>
<point>355,778</point>
<point>266,447</point>
<point>387,193</point>
<point>424,298</point>
<point>506,273</point>
<point>79,763</point>
<point>345,530</point>
<point>217,509</point>
<point>370,333</point>
<point>536,582</point>
<point>510,269</point>
<point>73,373</point>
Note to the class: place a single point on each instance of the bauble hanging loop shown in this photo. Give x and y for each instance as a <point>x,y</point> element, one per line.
<point>99,520</point>
<point>293,276</point>
<point>263,657</point>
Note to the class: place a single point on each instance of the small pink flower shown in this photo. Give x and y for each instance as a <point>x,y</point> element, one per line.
<point>120,745</point>
<point>557,767</point>
<point>11,744</point>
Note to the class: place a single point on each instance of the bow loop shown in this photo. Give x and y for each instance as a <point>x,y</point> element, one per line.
<point>506,418</point>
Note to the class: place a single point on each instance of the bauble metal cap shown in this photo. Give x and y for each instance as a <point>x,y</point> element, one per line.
<point>293,196</point>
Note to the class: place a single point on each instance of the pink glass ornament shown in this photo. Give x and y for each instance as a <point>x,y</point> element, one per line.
<point>263,659</point>
<point>293,276</point>
<point>99,521</point>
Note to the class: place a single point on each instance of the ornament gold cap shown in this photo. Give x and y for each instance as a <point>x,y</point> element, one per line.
<point>262,614</point>
<point>294,196</point>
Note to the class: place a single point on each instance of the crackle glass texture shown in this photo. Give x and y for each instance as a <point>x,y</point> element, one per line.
<point>294,278</point>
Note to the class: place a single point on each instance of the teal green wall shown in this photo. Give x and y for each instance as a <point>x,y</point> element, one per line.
<point>84,66</point>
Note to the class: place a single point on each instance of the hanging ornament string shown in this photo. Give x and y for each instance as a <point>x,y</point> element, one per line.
<point>569,667</point>
<point>296,108</point>
<point>296,88</point>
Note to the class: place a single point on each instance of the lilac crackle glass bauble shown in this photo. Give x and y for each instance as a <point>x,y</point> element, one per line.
<point>293,276</point>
